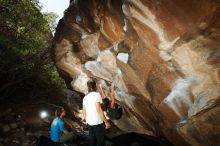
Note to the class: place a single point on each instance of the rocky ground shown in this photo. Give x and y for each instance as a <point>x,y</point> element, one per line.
<point>21,125</point>
<point>17,129</point>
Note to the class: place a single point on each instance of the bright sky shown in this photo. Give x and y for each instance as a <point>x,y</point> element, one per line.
<point>57,6</point>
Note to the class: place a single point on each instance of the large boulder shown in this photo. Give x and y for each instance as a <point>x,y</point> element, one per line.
<point>163,57</point>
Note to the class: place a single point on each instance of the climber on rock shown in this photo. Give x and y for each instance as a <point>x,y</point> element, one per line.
<point>113,110</point>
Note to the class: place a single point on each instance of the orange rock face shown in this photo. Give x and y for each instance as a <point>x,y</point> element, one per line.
<point>163,57</point>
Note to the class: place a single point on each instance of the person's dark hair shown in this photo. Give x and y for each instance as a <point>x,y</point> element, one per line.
<point>58,111</point>
<point>91,86</point>
<point>105,104</point>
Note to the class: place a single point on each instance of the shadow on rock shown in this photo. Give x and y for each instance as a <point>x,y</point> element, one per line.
<point>135,139</point>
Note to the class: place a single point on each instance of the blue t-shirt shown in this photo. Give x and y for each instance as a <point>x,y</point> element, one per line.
<point>56,129</point>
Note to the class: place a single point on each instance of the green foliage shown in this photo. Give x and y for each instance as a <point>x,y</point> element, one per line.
<point>25,36</point>
<point>51,18</point>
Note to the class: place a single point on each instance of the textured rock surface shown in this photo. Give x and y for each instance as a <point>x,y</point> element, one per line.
<point>162,55</point>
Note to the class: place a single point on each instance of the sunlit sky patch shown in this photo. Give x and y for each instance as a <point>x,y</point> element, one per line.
<point>57,6</point>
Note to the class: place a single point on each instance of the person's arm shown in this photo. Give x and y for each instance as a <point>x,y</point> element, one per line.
<point>101,114</point>
<point>113,94</point>
<point>101,92</point>
<point>63,128</point>
<point>84,112</point>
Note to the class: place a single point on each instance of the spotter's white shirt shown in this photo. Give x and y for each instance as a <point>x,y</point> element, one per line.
<point>89,102</point>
